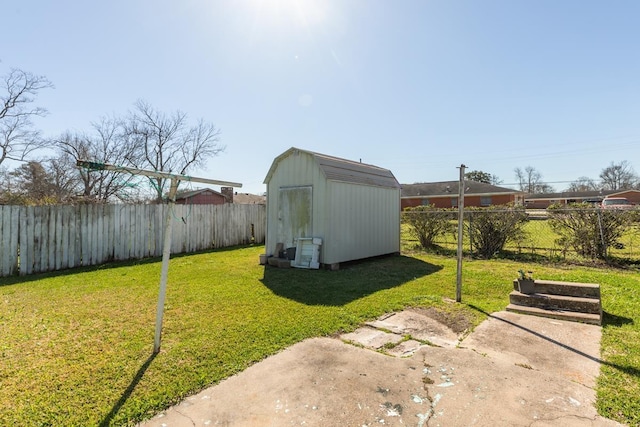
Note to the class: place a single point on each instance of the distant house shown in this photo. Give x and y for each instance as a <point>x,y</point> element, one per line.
<point>445,194</point>
<point>205,196</point>
<point>543,201</point>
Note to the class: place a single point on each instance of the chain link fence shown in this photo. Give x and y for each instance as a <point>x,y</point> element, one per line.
<point>560,234</point>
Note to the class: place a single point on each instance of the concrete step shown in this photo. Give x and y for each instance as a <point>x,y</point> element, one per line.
<point>556,302</point>
<point>550,287</point>
<point>590,318</point>
<point>279,262</point>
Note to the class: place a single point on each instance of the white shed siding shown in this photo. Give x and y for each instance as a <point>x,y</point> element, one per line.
<point>296,170</point>
<point>355,207</point>
<point>362,221</point>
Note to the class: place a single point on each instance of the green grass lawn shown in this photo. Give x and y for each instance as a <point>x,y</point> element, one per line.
<point>75,347</point>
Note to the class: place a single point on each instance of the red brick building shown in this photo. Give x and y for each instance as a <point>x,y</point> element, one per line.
<point>445,194</point>
<point>205,196</point>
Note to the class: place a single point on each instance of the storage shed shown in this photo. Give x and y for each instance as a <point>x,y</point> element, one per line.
<point>351,207</point>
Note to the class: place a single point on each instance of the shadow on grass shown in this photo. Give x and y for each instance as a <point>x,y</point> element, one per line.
<point>627,369</point>
<point>12,280</point>
<point>353,281</point>
<point>127,393</point>
<point>609,319</point>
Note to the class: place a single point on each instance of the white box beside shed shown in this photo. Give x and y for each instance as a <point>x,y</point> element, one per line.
<point>353,207</point>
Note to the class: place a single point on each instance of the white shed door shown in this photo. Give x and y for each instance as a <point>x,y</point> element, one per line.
<point>294,214</point>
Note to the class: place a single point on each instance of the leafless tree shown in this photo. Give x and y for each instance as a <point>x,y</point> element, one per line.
<point>583,183</point>
<point>530,181</point>
<point>106,144</point>
<point>63,177</point>
<point>619,176</point>
<point>168,143</point>
<point>18,138</point>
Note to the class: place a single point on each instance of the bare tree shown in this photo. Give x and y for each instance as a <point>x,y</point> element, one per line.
<point>18,138</point>
<point>63,177</point>
<point>530,181</point>
<point>620,176</point>
<point>583,183</point>
<point>168,143</point>
<point>107,144</point>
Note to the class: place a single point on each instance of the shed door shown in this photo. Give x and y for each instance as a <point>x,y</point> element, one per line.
<point>294,214</point>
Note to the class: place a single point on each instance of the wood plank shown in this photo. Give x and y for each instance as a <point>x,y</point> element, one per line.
<point>28,243</point>
<point>55,233</point>
<point>14,238</point>
<point>37,240</point>
<point>117,233</point>
<point>131,238</point>
<point>5,232</point>
<point>4,241</point>
<point>22,239</point>
<point>141,234</point>
<point>160,219</point>
<point>69,222</point>
<point>85,235</point>
<point>62,230</point>
<point>177,231</point>
<point>144,243</point>
<point>96,234</point>
<point>46,240</point>
<point>53,237</point>
<point>109,232</point>
<point>76,260</point>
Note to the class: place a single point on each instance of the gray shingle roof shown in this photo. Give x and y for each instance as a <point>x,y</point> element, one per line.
<point>450,188</point>
<point>343,170</point>
<point>188,194</point>
<point>571,195</point>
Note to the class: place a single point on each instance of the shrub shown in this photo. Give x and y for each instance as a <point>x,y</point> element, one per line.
<point>490,228</point>
<point>427,223</point>
<point>588,229</point>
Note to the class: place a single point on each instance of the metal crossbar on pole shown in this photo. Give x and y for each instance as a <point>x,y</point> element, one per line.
<point>460,234</point>
<point>153,174</point>
<point>166,251</point>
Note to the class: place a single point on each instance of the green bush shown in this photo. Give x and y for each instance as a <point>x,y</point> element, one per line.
<point>427,222</point>
<point>490,228</point>
<point>589,230</point>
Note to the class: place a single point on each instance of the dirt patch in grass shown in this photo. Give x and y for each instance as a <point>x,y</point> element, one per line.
<point>458,321</point>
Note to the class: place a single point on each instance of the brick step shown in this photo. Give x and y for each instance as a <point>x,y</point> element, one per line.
<point>556,302</point>
<point>550,287</point>
<point>590,318</point>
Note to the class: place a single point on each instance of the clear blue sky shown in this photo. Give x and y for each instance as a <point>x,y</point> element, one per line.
<point>418,87</point>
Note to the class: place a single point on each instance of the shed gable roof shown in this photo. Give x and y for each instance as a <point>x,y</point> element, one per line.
<point>343,170</point>
<point>450,188</point>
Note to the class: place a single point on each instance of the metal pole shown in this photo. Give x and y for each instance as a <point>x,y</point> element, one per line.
<point>166,254</point>
<point>460,234</point>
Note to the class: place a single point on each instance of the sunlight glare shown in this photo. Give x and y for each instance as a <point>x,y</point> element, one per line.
<point>301,13</point>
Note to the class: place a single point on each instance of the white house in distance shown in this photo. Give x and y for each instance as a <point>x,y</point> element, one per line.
<point>354,208</point>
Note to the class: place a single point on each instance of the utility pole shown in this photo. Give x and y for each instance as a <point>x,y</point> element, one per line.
<point>166,251</point>
<point>460,233</point>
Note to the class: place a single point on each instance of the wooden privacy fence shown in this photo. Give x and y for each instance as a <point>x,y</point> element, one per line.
<point>36,239</point>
